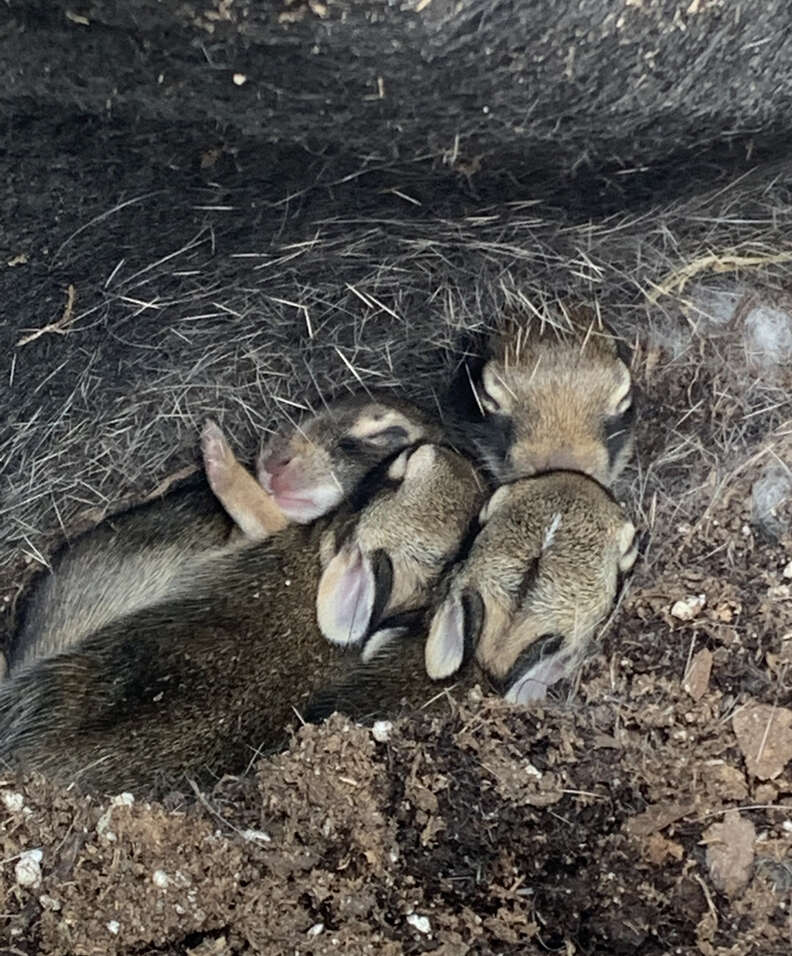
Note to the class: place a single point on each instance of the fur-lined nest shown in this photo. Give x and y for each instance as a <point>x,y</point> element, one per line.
<point>131,333</point>
<point>646,810</point>
<point>151,281</point>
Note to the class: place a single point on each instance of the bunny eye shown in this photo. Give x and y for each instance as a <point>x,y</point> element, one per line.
<point>488,403</point>
<point>625,404</point>
<point>492,391</point>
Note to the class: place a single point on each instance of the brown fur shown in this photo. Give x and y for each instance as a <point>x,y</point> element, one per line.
<point>555,400</point>
<point>326,456</point>
<point>198,684</point>
<point>540,576</point>
<point>127,563</point>
<point>135,560</point>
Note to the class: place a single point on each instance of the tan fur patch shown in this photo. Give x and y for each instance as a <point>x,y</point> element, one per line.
<point>244,500</point>
<point>369,426</point>
<point>251,508</point>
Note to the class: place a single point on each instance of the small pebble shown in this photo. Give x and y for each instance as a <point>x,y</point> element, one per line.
<point>239,79</point>
<point>13,801</point>
<point>256,836</point>
<point>28,870</point>
<point>421,923</point>
<point>688,608</point>
<point>161,879</point>
<point>103,826</point>
<point>770,494</point>
<point>103,823</point>
<point>114,926</point>
<point>381,730</point>
<point>316,930</point>
<point>788,570</point>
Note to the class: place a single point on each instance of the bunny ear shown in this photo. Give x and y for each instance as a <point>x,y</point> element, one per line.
<point>445,646</point>
<point>532,685</point>
<point>493,503</point>
<point>250,507</point>
<point>397,627</point>
<point>629,547</point>
<point>379,640</point>
<point>398,467</point>
<point>346,597</point>
<point>455,629</point>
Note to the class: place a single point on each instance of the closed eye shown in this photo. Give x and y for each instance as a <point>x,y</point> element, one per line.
<point>392,437</point>
<point>490,386</point>
<point>625,404</point>
<point>349,446</point>
<point>623,417</point>
<point>488,403</point>
<point>618,428</point>
<point>388,439</point>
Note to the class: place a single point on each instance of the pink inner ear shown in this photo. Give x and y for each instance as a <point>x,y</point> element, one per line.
<point>345,598</point>
<point>217,456</point>
<point>532,686</point>
<point>445,646</point>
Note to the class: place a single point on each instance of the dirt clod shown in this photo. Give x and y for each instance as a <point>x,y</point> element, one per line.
<point>688,608</point>
<point>730,852</point>
<point>698,675</point>
<point>764,733</point>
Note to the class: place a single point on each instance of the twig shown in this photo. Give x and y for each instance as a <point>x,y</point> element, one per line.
<point>61,327</point>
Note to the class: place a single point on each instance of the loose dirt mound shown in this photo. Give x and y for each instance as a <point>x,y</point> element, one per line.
<point>484,829</point>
